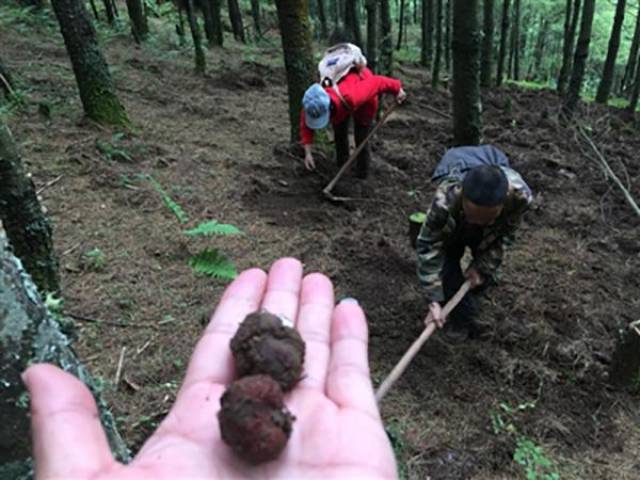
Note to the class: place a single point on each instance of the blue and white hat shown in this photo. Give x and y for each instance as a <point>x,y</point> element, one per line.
<point>316,103</point>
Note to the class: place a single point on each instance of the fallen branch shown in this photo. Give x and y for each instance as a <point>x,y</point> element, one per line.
<point>49,184</point>
<point>7,86</point>
<point>119,369</point>
<point>435,110</point>
<point>83,318</point>
<point>605,166</point>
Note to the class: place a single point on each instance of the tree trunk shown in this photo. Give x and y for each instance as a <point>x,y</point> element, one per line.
<point>28,334</point>
<point>139,27</point>
<point>604,89</point>
<point>466,73</point>
<point>386,44</point>
<point>201,64</point>
<point>516,41</point>
<point>293,16</point>
<point>180,28</point>
<point>89,66</point>
<point>235,16</point>
<point>570,28</point>
<point>255,13</point>
<point>352,22</point>
<point>487,45</point>
<point>538,53</point>
<point>400,25</point>
<point>504,34</point>
<point>635,91</point>
<point>322,14</point>
<point>625,365</point>
<point>426,52</point>
<point>216,19</point>
<point>580,58</point>
<point>435,74</point>
<point>209,29</point>
<point>94,9</point>
<point>447,37</point>
<point>627,80</point>
<point>23,218</point>
<point>372,33</point>
<point>108,8</point>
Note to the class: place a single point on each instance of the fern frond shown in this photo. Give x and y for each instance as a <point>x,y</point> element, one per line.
<point>213,263</point>
<point>169,202</point>
<point>212,227</point>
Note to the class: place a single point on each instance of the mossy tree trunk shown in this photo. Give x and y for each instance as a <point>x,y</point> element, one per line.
<point>201,63</point>
<point>627,80</point>
<point>29,334</point>
<point>322,16</point>
<point>426,24</point>
<point>293,17</point>
<point>352,22</point>
<point>139,26</point>
<point>466,73</point>
<point>372,33</point>
<point>625,365</point>
<point>504,35</point>
<point>23,218</point>
<point>487,44</point>
<point>386,41</point>
<point>435,74</point>
<point>235,16</point>
<point>570,28</point>
<point>94,81</point>
<point>580,58</point>
<point>604,88</point>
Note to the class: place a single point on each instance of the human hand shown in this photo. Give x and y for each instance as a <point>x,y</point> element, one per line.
<point>401,96</point>
<point>474,277</point>
<point>309,162</point>
<point>435,310</point>
<point>338,432</point>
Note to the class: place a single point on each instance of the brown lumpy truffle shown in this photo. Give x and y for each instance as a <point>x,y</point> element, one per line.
<point>263,345</point>
<point>254,421</point>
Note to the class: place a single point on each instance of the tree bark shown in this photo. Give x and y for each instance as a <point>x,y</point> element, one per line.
<point>235,16</point>
<point>504,35</point>
<point>635,91</point>
<point>209,29</point>
<point>604,89</point>
<point>28,334</point>
<point>627,79</point>
<point>23,218</point>
<point>108,8</point>
<point>94,9</point>
<point>216,18</point>
<point>255,13</point>
<point>625,365</point>
<point>139,27</point>
<point>466,73</point>
<point>516,42</point>
<point>352,22</point>
<point>293,16</point>
<point>372,33</point>
<point>447,37</point>
<point>538,53</point>
<point>386,44</point>
<point>426,51</point>
<point>89,66</point>
<point>487,45</point>
<point>580,58</point>
<point>322,15</point>
<point>200,61</point>
<point>570,28</point>
<point>400,24</point>
<point>435,74</point>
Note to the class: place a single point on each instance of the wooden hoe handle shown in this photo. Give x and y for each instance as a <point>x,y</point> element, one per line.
<point>402,365</point>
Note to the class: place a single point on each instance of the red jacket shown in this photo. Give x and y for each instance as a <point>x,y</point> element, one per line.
<point>358,90</point>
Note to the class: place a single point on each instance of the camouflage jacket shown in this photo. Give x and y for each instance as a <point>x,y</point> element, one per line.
<point>440,229</point>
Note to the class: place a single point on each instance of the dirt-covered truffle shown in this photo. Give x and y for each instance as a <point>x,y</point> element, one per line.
<point>263,345</point>
<point>254,421</point>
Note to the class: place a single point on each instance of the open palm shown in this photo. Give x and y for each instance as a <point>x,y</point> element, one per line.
<point>338,432</point>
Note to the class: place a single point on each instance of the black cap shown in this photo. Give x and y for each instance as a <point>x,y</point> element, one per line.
<point>486,186</point>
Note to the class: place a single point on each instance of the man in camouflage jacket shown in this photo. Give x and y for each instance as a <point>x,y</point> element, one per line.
<point>479,204</point>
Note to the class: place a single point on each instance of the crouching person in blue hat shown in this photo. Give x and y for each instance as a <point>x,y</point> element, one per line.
<point>356,95</point>
<point>479,203</point>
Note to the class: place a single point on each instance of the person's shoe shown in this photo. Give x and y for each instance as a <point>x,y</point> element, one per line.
<point>456,333</point>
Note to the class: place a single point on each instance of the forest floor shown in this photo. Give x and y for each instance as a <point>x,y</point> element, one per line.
<point>535,378</point>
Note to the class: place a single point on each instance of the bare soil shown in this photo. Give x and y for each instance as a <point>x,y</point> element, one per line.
<point>218,145</point>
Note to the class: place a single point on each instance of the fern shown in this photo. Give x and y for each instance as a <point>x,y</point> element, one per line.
<point>213,263</point>
<point>169,202</point>
<point>212,227</point>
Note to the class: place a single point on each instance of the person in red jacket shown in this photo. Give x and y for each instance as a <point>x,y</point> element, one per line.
<point>356,95</point>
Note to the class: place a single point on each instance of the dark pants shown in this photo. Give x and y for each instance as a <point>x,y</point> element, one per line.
<point>341,132</point>
<point>453,277</point>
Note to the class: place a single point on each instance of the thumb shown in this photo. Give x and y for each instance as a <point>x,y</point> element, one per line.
<point>68,440</point>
